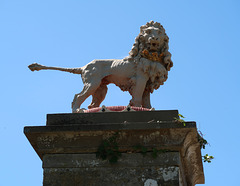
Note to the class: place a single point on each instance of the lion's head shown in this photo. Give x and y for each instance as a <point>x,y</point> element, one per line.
<point>153,40</point>
<point>150,53</point>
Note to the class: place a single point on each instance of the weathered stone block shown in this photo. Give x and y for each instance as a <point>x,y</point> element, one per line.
<point>131,169</point>
<point>69,142</point>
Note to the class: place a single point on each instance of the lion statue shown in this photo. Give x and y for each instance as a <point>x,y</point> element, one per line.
<point>145,69</point>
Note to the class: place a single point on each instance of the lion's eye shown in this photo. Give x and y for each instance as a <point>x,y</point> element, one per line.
<point>148,31</point>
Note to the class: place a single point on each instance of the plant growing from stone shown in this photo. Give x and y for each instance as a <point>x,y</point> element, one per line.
<point>202,141</point>
<point>109,149</point>
<point>207,158</point>
<point>180,119</point>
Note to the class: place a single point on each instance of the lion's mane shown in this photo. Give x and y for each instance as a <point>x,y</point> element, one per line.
<point>157,75</point>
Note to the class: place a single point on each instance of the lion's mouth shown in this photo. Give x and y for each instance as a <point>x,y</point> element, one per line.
<point>153,46</point>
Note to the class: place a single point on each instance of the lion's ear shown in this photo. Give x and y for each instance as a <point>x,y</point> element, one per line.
<point>142,28</point>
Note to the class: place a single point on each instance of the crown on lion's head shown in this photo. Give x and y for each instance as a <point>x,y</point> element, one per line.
<point>153,40</point>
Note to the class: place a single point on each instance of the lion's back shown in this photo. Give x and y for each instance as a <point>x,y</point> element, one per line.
<point>99,68</point>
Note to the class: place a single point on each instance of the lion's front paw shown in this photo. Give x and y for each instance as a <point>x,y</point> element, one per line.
<point>135,102</point>
<point>78,110</point>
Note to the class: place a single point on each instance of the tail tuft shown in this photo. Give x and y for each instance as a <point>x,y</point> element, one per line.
<point>35,66</point>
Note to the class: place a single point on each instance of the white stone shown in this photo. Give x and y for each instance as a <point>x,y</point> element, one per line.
<point>150,182</point>
<point>145,69</point>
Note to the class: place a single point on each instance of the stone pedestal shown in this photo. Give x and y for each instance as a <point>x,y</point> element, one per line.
<point>154,149</point>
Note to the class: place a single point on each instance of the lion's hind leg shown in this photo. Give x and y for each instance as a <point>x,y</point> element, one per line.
<point>88,90</point>
<point>98,96</point>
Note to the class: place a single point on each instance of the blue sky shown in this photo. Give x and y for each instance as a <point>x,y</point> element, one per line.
<point>203,84</point>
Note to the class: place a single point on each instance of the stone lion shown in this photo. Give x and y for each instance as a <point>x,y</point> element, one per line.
<point>145,69</point>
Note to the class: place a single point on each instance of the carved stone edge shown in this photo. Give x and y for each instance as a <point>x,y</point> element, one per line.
<point>192,159</point>
<point>45,139</point>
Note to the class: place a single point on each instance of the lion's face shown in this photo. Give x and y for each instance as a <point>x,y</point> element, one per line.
<point>153,38</point>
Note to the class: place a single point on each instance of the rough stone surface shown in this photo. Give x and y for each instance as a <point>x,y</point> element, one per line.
<point>68,151</point>
<point>126,160</point>
<point>131,169</point>
<point>164,176</point>
<point>143,71</point>
<point>87,138</point>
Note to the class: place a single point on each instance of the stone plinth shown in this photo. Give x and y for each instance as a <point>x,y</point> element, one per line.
<point>68,144</point>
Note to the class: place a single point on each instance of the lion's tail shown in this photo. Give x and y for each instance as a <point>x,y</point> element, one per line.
<point>37,67</point>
